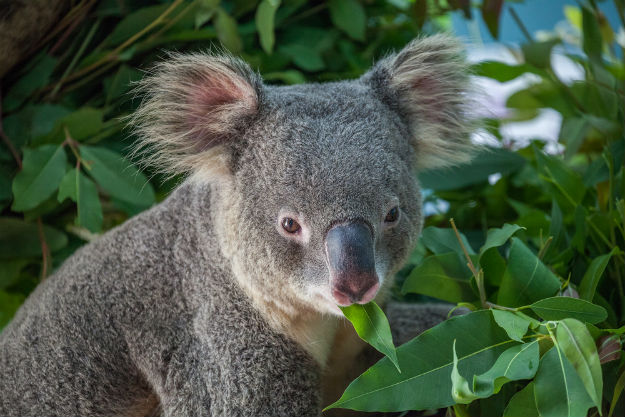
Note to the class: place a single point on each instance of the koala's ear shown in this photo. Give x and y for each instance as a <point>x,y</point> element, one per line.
<point>427,83</point>
<point>193,107</point>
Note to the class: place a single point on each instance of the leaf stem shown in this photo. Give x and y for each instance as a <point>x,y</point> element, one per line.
<point>520,24</point>
<point>45,250</point>
<point>478,275</point>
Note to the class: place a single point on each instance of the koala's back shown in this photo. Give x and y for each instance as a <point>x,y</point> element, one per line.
<point>99,335</point>
<point>65,350</point>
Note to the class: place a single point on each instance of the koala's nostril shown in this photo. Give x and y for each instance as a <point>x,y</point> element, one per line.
<point>341,298</point>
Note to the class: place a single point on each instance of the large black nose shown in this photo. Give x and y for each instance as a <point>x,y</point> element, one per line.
<point>351,259</point>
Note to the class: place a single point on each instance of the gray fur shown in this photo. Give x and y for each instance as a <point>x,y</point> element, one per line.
<point>201,305</point>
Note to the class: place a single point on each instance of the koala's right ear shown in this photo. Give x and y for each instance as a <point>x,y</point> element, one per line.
<point>193,106</point>
<point>427,83</point>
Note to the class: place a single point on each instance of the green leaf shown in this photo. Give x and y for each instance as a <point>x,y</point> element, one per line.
<point>117,176</point>
<point>36,77</point>
<point>588,285</point>
<point>562,179</point>
<point>538,54</point>
<point>227,31</point>
<point>304,57</point>
<point>498,237</point>
<point>45,117</point>
<point>350,17</point>
<point>592,41</point>
<point>83,123</point>
<point>372,326</point>
<point>10,271</point>
<point>516,363</point>
<point>265,14</point>
<point>522,404</point>
<point>441,276</point>
<point>43,169</point>
<point>84,193</point>
<point>119,84</point>
<point>514,324</point>
<point>618,390</point>
<point>485,163</point>
<point>574,340</point>
<point>135,22</point>
<point>501,71</point>
<point>440,241</point>
<point>9,303</point>
<point>526,278</point>
<point>494,267</point>
<point>19,239</point>
<point>558,308</point>
<point>426,364</point>
<point>557,388</point>
<point>491,10</point>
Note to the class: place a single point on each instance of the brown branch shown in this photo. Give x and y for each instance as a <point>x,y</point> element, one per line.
<point>45,250</point>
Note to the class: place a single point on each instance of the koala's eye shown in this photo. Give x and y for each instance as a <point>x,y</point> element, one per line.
<point>290,225</point>
<point>392,216</point>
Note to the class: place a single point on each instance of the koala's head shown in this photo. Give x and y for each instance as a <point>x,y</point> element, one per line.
<point>316,201</point>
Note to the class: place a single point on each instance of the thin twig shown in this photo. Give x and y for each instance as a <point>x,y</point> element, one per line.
<point>464,249</point>
<point>520,24</point>
<point>45,250</point>
<point>478,275</point>
<point>545,247</point>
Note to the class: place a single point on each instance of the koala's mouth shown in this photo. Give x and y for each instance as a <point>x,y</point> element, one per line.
<point>350,256</point>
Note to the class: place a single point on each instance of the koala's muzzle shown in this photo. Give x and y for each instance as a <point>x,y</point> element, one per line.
<point>351,259</point>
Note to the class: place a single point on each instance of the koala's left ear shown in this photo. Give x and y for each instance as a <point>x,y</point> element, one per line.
<point>427,83</point>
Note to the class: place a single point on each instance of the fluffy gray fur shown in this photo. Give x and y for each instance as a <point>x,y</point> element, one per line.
<point>202,305</point>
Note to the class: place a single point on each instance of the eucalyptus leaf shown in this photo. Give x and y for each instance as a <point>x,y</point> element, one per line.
<point>513,323</point>
<point>558,308</point>
<point>9,303</point>
<point>557,388</point>
<point>441,276</point>
<point>117,176</point>
<point>575,342</point>
<point>426,364</point>
<point>499,236</point>
<point>19,239</point>
<point>526,278</point>
<point>84,193</point>
<point>440,241</point>
<point>516,363</point>
<point>227,31</point>
<point>522,404</point>
<point>349,16</point>
<point>372,326</point>
<point>588,285</point>
<point>42,171</point>
<point>265,14</point>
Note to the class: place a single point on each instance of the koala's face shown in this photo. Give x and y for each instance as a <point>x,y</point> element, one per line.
<point>331,202</point>
<point>317,201</point>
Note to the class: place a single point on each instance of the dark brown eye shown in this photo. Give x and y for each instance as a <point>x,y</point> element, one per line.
<point>290,225</point>
<point>392,215</point>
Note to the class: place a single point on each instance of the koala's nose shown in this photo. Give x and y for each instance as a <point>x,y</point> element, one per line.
<point>351,259</point>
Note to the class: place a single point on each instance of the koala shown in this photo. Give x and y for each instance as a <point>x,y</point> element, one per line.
<point>223,299</point>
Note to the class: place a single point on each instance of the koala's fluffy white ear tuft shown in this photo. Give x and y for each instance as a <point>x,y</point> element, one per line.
<point>427,82</point>
<point>193,107</point>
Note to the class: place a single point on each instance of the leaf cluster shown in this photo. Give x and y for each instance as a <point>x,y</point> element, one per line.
<point>544,331</point>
